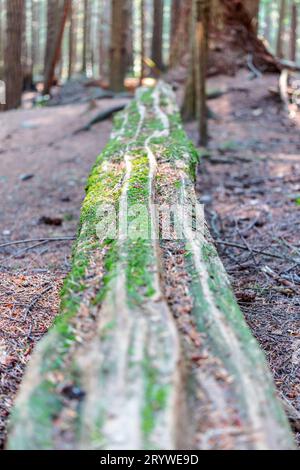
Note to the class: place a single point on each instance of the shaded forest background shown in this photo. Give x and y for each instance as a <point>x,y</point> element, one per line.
<point>50,41</point>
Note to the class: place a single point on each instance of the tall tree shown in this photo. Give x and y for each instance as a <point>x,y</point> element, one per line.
<point>189,103</point>
<point>143,31</point>
<point>1,34</point>
<point>52,59</point>
<point>180,29</point>
<point>104,24</point>
<point>72,39</point>
<point>279,46</point>
<point>294,32</point>
<point>157,34</point>
<point>201,33</point>
<point>176,10</point>
<point>86,49</point>
<point>35,35</point>
<point>52,15</point>
<point>120,13</point>
<point>13,76</point>
<point>129,45</point>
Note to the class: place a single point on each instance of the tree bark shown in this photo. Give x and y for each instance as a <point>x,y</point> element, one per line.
<point>1,36</point>
<point>202,27</point>
<point>279,46</point>
<point>55,50</point>
<point>13,75</point>
<point>52,15</point>
<point>86,50</point>
<point>252,6</point>
<point>72,40</point>
<point>142,12</point>
<point>157,33</point>
<point>180,30</point>
<point>105,14</point>
<point>176,7</point>
<point>118,52</point>
<point>129,45</point>
<point>238,32</point>
<point>294,31</point>
<point>189,103</point>
<point>35,36</point>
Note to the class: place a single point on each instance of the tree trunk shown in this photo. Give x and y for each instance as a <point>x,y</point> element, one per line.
<point>294,35</point>
<point>52,15</point>
<point>118,52</point>
<point>279,47</point>
<point>1,36</point>
<point>201,32</point>
<point>176,10</point>
<point>129,45</point>
<point>142,11</point>
<point>72,40</point>
<point>35,37</point>
<point>157,34</point>
<point>105,14</point>
<point>55,49</point>
<point>237,32</point>
<point>13,76</point>
<point>27,58</point>
<point>252,7</point>
<point>180,30</point>
<point>189,104</point>
<point>268,22</point>
<point>86,50</point>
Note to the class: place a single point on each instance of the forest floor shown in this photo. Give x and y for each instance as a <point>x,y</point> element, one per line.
<point>250,186</point>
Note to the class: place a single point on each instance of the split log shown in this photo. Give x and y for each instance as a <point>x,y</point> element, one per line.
<point>115,370</point>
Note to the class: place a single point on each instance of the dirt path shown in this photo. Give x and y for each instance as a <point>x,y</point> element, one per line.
<point>250,186</point>
<point>43,170</point>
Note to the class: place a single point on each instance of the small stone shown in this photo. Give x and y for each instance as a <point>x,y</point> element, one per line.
<point>29,125</point>
<point>26,176</point>
<point>6,232</point>
<point>206,199</point>
<point>257,112</point>
<point>50,220</point>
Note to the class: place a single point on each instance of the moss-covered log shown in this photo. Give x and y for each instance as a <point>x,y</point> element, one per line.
<point>115,371</point>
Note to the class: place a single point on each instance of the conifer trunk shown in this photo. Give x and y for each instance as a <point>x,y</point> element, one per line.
<point>13,76</point>
<point>279,46</point>
<point>72,40</point>
<point>52,59</point>
<point>118,52</point>
<point>180,30</point>
<point>157,34</point>
<point>142,12</point>
<point>294,31</point>
<point>202,27</point>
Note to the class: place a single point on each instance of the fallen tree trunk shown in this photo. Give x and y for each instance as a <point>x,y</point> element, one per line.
<point>121,368</point>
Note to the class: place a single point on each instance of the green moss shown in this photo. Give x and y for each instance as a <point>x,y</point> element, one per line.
<point>208,252</point>
<point>147,97</point>
<point>156,396</point>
